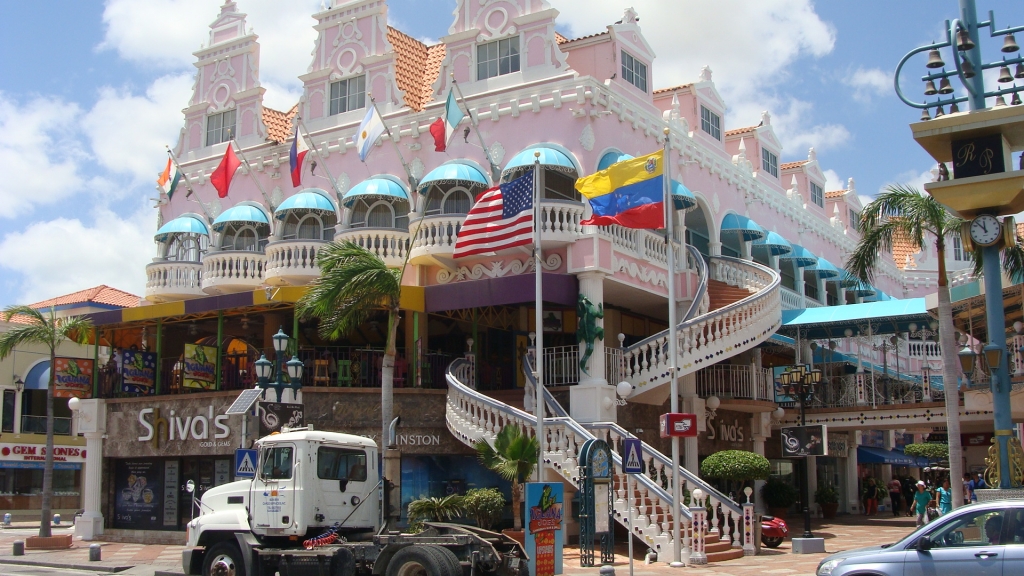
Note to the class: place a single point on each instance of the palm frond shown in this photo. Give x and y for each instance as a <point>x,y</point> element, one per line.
<point>26,334</point>
<point>34,315</point>
<point>513,455</point>
<point>1013,262</point>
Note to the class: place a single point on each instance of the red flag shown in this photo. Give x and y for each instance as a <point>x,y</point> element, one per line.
<point>221,177</point>
<point>437,130</point>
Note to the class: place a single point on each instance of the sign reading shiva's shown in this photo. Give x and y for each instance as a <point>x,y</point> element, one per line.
<point>544,506</point>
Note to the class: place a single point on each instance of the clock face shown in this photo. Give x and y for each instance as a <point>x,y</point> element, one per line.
<point>985,230</point>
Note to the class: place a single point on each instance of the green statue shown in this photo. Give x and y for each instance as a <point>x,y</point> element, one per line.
<point>587,330</point>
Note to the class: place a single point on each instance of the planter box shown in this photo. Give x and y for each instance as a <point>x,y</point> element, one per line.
<point>52,543</point>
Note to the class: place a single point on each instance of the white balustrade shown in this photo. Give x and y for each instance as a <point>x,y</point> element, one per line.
<point>168,281</point>
<point>434,236</point>
<point>924,349</point>
<point>560,221</point>
<point>790,299</point>
<point>293,262</point>
<point>388,244</point>
<point>228,271</point>
<point>735,381</point>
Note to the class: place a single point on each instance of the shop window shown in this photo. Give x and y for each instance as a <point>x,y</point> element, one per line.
<point>497,58</point>
<point>634,71</point>
<point>8,414</point>
<point>276,463</point>
<point>711,123</point>
<point>220,127</point>
<point>348,94</point>
<point>341,464</point>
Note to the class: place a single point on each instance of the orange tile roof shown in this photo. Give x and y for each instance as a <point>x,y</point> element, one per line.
<point>740,130</point>
<point>788,165</point>
<point>567,40</point>
<point>835,194</point>
<point>416,67</point>
<point>279,124</point>
<point>672,88</point>
<point>101,294</point>
<point>19,319</point>
<point>903,250</point>
<point>560,39</point>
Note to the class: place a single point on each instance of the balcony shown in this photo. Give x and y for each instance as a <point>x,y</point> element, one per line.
<point>231,271</point>
<point>434,238</point>
<point>37,425</point>
<point>735,381</point>
<point>168,281</point>
<point>389,244</point>
<point>293,262</point>
<point>560,222</point>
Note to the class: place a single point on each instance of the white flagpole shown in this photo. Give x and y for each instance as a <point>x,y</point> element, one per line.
<point>248,169</point>
<point>188,184</point>
<point>495,171</point>
<point>413,181</point>
<point>316,152</point>
<point>538,365</point>
<point>673,347</point>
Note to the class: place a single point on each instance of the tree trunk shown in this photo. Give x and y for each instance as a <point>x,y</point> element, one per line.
<point>387,390</point>
<point>951,389</point>
<point>47,508</point>
<point>517,503</point>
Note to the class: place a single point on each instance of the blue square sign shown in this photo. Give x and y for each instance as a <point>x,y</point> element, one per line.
<point>632,456</point>
<point>245,463</point>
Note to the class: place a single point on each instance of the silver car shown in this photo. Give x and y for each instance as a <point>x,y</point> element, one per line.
<point>976,540</point>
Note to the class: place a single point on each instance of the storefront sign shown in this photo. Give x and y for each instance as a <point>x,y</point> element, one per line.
<point>979,156</point>
<point>138,485</point>
<point>838,445</point>
<point>200,367</point>
<point>208,429</point>
<point>37,453</point>
<point>728,432</point>
<point>274,415</point>
<point>980,439</point>
<point>73,378</point>
<point>675,424</point>
<point>800,441</point>
<point>138,372</point>
<point>544,503</point>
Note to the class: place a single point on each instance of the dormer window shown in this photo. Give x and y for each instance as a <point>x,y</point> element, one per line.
<point>770,163</point>
<point>634,71</point>
<point>817,195</point>
<point>220,127</point>
<point>711,123</point>
<point>854,219</point>
<point>348,94</point>
<point>497,58</point>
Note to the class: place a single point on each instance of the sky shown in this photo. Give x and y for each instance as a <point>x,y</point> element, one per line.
<point>91,91</point>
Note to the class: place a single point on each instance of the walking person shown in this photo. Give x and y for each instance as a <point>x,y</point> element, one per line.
<point>895,491</point>
<point>944,496</point>
<point>908,494</point>
<point>871,498</point>
<point>921,500</point>
<point>968,488</point>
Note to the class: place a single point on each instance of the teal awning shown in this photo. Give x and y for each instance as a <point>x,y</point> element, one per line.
<point>773,244</point>
<point>459,172</point>
<point>832,321</point>
<point>823,269</point>
<point>549,158</point>
<point>862,289</point>
<point>240,213</point>
<point>800,256</point>
<point>309,199</point>
<point>846,280</point>
<point>382,187</point>
<point>610,158</point>
<point>872,455</point>
<point>745,227</point>
<point>181,225</point>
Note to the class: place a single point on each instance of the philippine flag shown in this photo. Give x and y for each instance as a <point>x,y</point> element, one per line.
<point>370,130</point>
<point>296,156</point>
<point>443,128</point>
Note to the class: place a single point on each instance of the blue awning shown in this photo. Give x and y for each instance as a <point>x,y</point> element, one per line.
<point>458,172</point>
<point>847,280</point>
<point>181,225</point>
<point>862,289</point>
<point>872,455</point>
<point>382,187</point>
<point>800,256</point>
<point>745,227</point>
<point>38,377</point>
<point>773,244</point>
<point>824,269</point>
<point>309,199</point>
<point>610,158</point>
<point>832,321</point>
<point>240,213</point>
<point>549,158</point>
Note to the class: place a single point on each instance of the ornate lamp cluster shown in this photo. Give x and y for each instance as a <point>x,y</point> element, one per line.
<point>800,382</point>
<point>265,369</point>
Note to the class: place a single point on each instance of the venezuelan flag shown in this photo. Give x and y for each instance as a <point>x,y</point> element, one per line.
<point>629,193</point>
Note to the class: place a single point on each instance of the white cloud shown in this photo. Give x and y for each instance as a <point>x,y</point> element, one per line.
<point>911,179</point>
<point>39,153</point>
<point>128,132</point>
<point>66,254</point>
<point>868,82</point>
<point>833,181</point>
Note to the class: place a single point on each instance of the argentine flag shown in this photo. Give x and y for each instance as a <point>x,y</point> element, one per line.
<point>370,130</point>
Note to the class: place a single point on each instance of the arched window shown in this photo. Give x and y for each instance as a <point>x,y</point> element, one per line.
<point>243,236</point>
<point>444,200</point>
<point>559,184</point>
<point>379,214</point>
<point>298,226</point>
<point>187,247</point>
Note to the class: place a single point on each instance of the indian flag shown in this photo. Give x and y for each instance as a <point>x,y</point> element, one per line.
<point>169,178</point>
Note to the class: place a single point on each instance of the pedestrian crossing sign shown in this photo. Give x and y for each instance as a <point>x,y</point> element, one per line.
<point>632,456</point>
<point>245,463</point>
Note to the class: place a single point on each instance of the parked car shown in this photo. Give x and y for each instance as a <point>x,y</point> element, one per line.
<point>979,540</point>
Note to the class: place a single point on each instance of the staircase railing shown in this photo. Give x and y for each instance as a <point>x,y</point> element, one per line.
<point>702,284</point>
<point>710,338</point>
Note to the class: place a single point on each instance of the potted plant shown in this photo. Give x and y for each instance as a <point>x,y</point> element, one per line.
<point>778,496</point>
<point>827,497</point>
<point>485,505</point>
<point>435,510</point>
<point>514,457</point>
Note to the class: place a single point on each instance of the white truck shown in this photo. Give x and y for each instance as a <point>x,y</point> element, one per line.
<point>315,507</point>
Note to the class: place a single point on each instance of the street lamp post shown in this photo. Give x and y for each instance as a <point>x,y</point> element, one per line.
<point>801,383</point>
<point>265,369</point>
<point>925,333</point>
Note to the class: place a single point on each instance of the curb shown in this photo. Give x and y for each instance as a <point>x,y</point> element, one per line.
<point>166,573</point>
<point>83,567</point>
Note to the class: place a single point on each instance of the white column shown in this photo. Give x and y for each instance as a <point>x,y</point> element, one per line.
<point>889,443</point>
<point>593,400</point>
<point>92,424</point>
<point>694,405</point>
<point>852,486</point>
<point>842,295</point>
<point>812,482</point>
<point>798,284</point>
<point>760,428</point>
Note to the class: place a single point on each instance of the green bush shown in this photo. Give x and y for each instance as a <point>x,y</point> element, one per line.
<point>778,494</point>
<point>826,494</point>
<point>436,509</point>
<point>485,505</point>
<point>929,450</point>
<point>735,465</point>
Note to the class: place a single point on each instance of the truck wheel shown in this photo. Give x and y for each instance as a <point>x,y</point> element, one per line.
<point>417,561</point>
<point>223,559</point>
<point>446,559</point>
<point>343,563</point>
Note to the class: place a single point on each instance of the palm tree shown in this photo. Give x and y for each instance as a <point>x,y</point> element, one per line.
<point>902,212</point>
<point>514,457</point>
<point>353,286</point>
<point>434,509</point>
<point>51,332</point>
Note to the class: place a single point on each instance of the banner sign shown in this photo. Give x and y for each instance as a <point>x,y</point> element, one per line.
<point>73,378</point>
<point>544,539</point>
<point>137,494</point>
<point>138,372</point>
<point>274,415</point>
<point>200,367</point>
<point>801,441</point>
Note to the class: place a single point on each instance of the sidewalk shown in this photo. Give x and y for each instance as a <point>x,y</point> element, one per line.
<point>843,533</point>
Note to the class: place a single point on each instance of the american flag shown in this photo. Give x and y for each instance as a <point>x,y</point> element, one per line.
<point>502,217</point>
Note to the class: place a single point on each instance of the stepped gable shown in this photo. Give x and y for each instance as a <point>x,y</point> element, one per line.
<point>416,67</point>
<point>279,124</point>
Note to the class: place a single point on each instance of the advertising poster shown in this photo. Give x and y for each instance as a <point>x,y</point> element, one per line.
<point>139,495</point>
<point>138,372</point>
<point>800,441</point>
<point>171,489</point>
<point>200,367</point>
<point>781,398</point>
<point>544,534</point>
<point>274,415</point>
<point>73,378</point>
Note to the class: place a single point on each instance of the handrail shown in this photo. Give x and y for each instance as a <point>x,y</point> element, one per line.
<point>702,285</point>
<point>553,405</point>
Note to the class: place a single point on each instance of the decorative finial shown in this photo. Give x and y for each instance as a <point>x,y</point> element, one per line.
<point>705,74</point>
<point>812,156</point>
